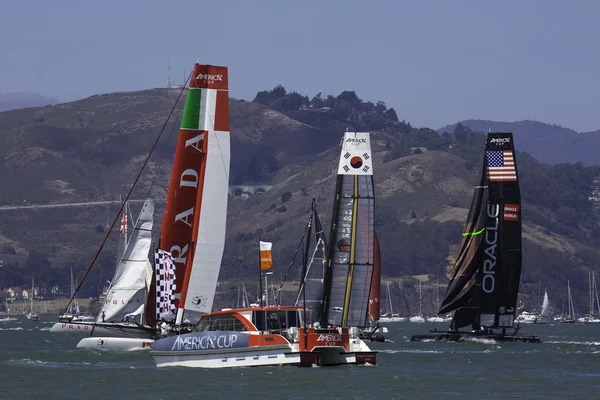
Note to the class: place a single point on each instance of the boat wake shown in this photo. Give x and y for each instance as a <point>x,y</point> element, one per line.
<point>573,342</point>
<point>479,340</point>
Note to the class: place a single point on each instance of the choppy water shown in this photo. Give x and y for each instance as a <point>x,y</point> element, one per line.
<point>35,364</point>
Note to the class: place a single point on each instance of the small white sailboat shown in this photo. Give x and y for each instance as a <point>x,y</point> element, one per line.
<point>390,316</point>
<point>571,309</point>
<point>532,318</point>
<point>419,317</point>
<point>31,314</point>
<point>437,318</point>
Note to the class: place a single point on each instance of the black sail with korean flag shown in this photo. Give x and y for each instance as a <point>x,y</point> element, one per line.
<point>350,259</point>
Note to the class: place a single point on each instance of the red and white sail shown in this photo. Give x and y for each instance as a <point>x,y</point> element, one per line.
<point>193,227</point>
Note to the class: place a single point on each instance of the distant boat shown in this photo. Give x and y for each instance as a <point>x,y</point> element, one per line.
<point>122,314</point>
<point>32,315</point>
<point>437,318</point>
<point>570,318</point>
<point>419,317</point>
<point>484,282</point>
<point>75,313</point>
<point>593,318</point>
<point>390,316</point>
<point>532,318</point>
<point>7,319</point>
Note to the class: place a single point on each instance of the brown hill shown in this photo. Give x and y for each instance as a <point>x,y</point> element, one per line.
<point>91,150</point>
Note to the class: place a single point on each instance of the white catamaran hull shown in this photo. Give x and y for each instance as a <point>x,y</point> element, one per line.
<point>256,356</point>
<point>115,343</point>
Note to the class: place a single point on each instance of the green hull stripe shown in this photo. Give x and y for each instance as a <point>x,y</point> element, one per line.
<point>191,112</point>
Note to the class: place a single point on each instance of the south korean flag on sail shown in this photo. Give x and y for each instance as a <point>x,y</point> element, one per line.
<point>165,284</point>
<point>356,154</point>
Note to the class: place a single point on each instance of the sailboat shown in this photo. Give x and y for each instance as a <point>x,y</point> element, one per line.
<point>593,318</point>
<point>32,315</point>
<point>533,318</point>
<point>351,253</point>
<point>570,318</point>
<point>193,225</point>
<point>419,317</point>
<point>263,335</point>
<point>75,314</point>
<point>437,318</point>
<point>484,281</point>
<point>390,316</point>
<point>120,324</point>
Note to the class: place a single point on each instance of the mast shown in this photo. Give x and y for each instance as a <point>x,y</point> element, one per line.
<point>350,258</point>
<point>31,305</point>
<point>311,290</point>
<point>193,226</point>
<point>304,267</point>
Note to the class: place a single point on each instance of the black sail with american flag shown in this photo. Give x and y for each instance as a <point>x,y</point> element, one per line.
<point>484,282</point>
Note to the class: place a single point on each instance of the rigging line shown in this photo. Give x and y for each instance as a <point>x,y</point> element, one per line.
<point>127,197</point>
<point>295,254</point>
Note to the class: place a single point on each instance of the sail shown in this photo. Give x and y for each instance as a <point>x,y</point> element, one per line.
<point>128,290</point>
<point>374,296</point>
<point>546,306</point>
<point>314,274</point>
<point>351,252</point>
<point>193,226</point>
<point>484,282</point>
<point>460,291</point>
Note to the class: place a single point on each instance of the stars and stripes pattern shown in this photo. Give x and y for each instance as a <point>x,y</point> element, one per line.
<point>123,227</point>
<point>501,166</point>
<point>165,283</point>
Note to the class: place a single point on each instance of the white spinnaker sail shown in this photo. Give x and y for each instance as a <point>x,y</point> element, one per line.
<point>129,287</point>
<point>210,243</point>
<point>546,306</point>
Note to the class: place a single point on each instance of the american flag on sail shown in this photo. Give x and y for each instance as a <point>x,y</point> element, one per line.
<point>501,165</point>
<point>123,227</point>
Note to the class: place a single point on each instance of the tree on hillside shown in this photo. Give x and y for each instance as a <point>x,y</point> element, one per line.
<point>390,114</point>
<point>268,97</point>
<point>351,98</point>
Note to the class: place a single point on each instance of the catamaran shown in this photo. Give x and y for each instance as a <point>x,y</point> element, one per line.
<point>484,282</point>
<point>390,316</point>
<point>120,325</point>
<point>419,317</point>
<point>324,334</point>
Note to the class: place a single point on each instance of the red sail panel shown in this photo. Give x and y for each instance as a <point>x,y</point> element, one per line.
<point>374,306</point>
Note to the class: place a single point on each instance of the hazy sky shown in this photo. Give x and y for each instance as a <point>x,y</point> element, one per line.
<point>435,62</point>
